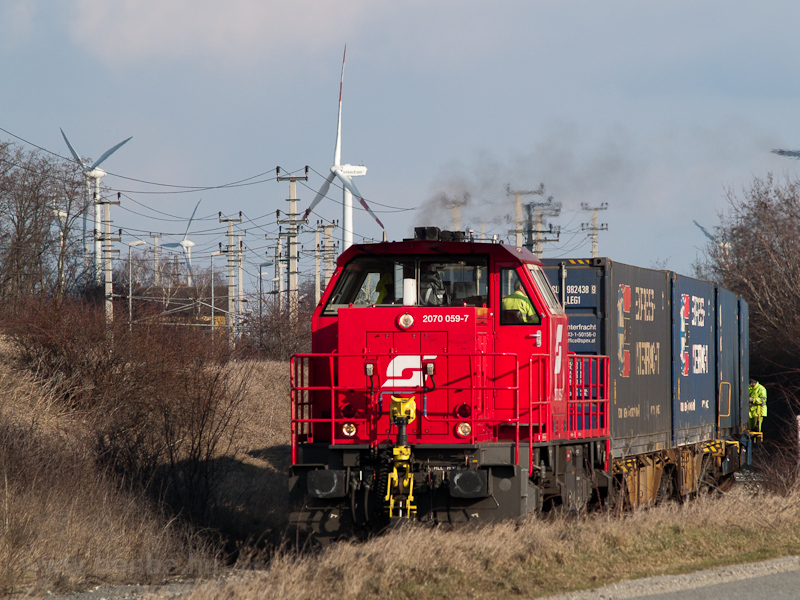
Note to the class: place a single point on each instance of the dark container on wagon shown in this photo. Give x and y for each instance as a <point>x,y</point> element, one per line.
<point>675,378</point>
<point>624,312</point>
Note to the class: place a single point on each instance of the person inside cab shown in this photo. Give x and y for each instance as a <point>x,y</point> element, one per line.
<point>385,288</point>
<point>517,307</point>
<point>431,287</point>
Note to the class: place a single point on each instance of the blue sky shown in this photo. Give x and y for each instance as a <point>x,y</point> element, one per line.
<point>656,110</point>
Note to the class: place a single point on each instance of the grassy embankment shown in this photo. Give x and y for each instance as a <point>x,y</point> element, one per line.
<point>67,523</point>
<point>537,558</point>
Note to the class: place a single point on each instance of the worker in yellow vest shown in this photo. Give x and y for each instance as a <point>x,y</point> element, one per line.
<point>758,405</point>
<point>520,304</point>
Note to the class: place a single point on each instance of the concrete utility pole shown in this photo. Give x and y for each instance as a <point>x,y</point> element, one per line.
<point>594,228</point>
<point>537,232</point>
<point>277,264</point>
<point>279,260</point>
<point>294,228</point>
<point>98,233</point>
<point>317,250</point>
<point>213,316</point>
<point>240,294</point>
<point>156,259</point>
<point>105,239</point>
<point>131,245</point>
<point>537,211</point>
<point>518,194</point>
<point>328,252</point>
<point>87,243</point>
<point>231,251</point>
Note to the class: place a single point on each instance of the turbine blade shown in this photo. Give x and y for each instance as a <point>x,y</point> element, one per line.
<point>351,187</point>
<point>109,152</point>
<point>191,219</point>
<point>705,231</point>
<point>72,150</point>
<point>789,153</point>
<point>369,210</point>
<point>337,152</point>
<point>320,195</point>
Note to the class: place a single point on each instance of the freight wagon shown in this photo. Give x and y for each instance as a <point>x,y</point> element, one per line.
<point>448,384</point>
<point>678,352</point>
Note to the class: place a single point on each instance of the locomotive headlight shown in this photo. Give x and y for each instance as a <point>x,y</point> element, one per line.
<point>463,429</point>
<point>349,429</point>
<point>405,321</point>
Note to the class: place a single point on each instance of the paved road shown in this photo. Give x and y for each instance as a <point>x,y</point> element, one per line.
<point>777,579</point>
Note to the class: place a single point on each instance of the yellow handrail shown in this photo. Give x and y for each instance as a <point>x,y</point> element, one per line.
<point>719,402</point>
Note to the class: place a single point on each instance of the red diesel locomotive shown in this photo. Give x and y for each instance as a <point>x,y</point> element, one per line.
<point>441,388</point>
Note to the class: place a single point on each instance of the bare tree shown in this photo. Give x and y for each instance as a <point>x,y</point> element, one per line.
<point>755,254</point>
<point>41,201</point>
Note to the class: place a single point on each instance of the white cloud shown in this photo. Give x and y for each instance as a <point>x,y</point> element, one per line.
<point>245,31</point>
<point>16,19</point>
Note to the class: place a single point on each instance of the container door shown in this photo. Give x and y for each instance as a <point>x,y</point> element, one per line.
<point>694,413</point>
<point>728,378</point>
<point>744,363</point>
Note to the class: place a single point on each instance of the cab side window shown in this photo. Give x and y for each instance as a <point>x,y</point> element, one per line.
<point>516,307</point>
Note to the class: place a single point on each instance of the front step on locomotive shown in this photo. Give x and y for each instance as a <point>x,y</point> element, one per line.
<point>448,384</point>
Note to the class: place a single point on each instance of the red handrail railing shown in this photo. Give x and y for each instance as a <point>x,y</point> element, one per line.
<point>587,412</point>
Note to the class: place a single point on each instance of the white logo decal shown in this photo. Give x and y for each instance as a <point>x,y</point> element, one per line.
<point>405,370</point>
<point>559,335</point>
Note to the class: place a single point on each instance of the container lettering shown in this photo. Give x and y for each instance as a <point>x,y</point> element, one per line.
<point>647,358</point>
<point>645,304</point>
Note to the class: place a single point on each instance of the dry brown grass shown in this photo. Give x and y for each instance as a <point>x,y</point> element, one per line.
<point>64,524</point>
<point>535,558</point>
<point>255,491</point>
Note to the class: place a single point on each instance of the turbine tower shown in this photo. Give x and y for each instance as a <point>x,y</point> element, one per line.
<point>186,244</point>
<point>92,172</point>
<point>344,173</point>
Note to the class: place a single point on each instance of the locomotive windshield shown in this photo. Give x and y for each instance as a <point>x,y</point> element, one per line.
<point>440,281</point>
<point>545,289</point>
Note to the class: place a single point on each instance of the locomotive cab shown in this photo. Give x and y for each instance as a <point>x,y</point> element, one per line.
<point>438,383</point>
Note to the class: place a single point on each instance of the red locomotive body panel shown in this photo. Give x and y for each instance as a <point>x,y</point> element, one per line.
<point>452,356</point>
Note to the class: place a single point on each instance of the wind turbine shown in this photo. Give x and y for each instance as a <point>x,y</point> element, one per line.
<point>725,247</point>
<point>186,244</point>
<point>92,172</point>
<point>788,153</point>
<point>344,173</point>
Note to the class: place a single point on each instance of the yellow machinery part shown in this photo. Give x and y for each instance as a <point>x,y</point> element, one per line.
<point>401,483</point>
<point>403,407</point>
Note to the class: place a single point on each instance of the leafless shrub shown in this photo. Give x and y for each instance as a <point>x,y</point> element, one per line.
<point>162,402</point>
<point>277,330</point>
<point>63,521</point>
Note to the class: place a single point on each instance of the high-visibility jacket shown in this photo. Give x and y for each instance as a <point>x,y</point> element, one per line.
<point>519,301</point>
<point>758,400</point>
